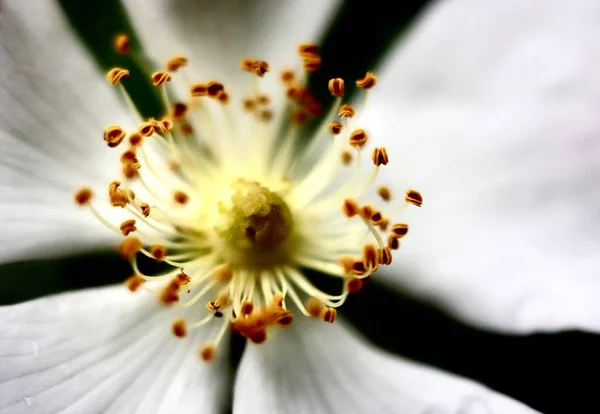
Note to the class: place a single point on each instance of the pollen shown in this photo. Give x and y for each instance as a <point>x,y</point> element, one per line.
<point>237,202</point>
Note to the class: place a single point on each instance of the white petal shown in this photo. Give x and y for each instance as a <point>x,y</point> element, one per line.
<point>216,35</point>
<point>314,367</point>
<point>104,350</point>
<point>491,110</point>
<point>54,106</point>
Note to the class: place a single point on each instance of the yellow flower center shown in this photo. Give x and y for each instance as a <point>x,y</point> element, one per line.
<point>219,191</point>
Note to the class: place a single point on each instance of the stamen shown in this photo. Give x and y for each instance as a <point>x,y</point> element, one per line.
<point>176,62</point>
<point>314,307</point>
<point>393,242</point>
<point>115,75</point>
<point>134,282</point>
<point>114,135</point>
<point>130,247</point>
<point>414,197</point>
<point>84,196</point>
<point>336,87</point>
<point>399,230</point>
<point>160,77</point>
<point>207,352</point>
<point>358,138</point>
<point>158,252</point>
<point>380,156</point>
<point>128,226</point>
<point>385,193</point>
<point>335,128</point>
<point>328,315</point>
<point>346,111</point>
<point>368,81</point>
<point>180,197</point>
<point>179,329</point>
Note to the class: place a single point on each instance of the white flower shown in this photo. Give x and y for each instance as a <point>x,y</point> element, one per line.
<point>107,350</point>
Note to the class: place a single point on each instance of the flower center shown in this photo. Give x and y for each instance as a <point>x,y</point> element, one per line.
<point>228,200</point>
<point>258,226</point>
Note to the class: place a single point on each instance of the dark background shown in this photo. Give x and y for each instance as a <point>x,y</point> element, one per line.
<point>553,373</point>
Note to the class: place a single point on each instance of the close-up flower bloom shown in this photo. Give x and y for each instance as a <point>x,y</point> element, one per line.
<point>249,209</point>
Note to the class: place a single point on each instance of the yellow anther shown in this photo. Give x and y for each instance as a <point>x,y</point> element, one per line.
<point>260,67</point>
<point>165,125</point>
<point>158,252</point>
<point>311,63</point>
<point>350,207</point>
<point>213,305</point>
<point>84,196</point>
<point>385,193</point>
<point>288,77</point>
<point>180,197</point>
<point>346,262</point>
<point>393,242</point>
<point>367,211</point>
<point>128,226</point>
<point>130,169</point>
<point>385,257</point>
<point>179,328</point>
<point>207,352</point>
<point>145,209</point>
<point>346,111</point>
<point>121,44</point>
<point>118,198</point>
<point>370,256</point>
<point>249,104</point>
<point>223,97</point>
<point>147,128</point>
<point>314,307</point>
<point>354,285</point>
<point>247,308</point>
<point>176,62</point>
<point>180,110</point>
<point>135,139</point>
<point>114,135</point>
<point>186,129</point>
<point>214,89</point>
<point>346,157</point>
<point>199,89</point>
<point>414,197</point>
<point>308,49</point>
<point>383,224</point>
<point>266,115</point>
<point>263,99</point>
<point>134,282</point>
<point>278,299</point>
<point>367,81</point>
<point>129,156</point>
<point>223,274</point>
<point>247,64</point>
<point>336,87</point>
<point>160,77</point>
<point>358,138</point>
<point>399,230</point>
<point>380,156</point>
<point>130,247</point>
<point>115,75</point>
<point>328,315</point>
<point>335,128</point>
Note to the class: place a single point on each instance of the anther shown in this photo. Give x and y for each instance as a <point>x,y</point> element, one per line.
<point>260,67</point>
<point>399,230</point>
<point>223,274</point>
<point>346,157</point>
<point>135,139</point>
<point>214,89</point>
<point>414,197</point>
<point>207,352</point>
<point>346,111</point>
<point>83,196</point>
<point>186,129</point>
<point>180,197</point>
<point>308,49</point>
<point>385,257</point>
<point>213,305</point>
<point>249,104</point>
<point>134,282</point>
<point>358,138</point>
<point>179,110</point>
<point>393,242</point>
<point>370,256</point>
<point>183,278</point>
<point>121,44</point>
<point>367,81</point>
<point>383,223</point>
<point>145,209</point>
<point>266,115</point>
<point>130,247</point>
<point>146,129</point>
<point>278,299</point>
<point>258,337</point>
<point>385,193</point>
<point>198,89</point>
<point>366,211</point>
<point>247,64</point>
<point>285,318</point>
<point>350,207</point>
<point>328,315</point>
<point>287,77</point>
<point>130,169</point>
<point>179,328</point>
<point>165,125</point>
<point>380,156</point>
<point>114,135</point>
<point>347,262</point>
<point>128,226</point>
<point>247,308</point>
<point>176,62</point>
<point>335,128</point>
<point>311,63</point>
<point>354,285</point>
<point>314,307</point>
<point>118,198</point>
<point>263,99</point>
<point>129,156</point>
<point>160,78</point>
<point>336,87</point>
<point>223,97</point>
<point>115,75</point>
<point>158,252</point>
<point>376,217</point>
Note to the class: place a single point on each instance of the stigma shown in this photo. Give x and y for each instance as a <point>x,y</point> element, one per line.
<point>219,191</point>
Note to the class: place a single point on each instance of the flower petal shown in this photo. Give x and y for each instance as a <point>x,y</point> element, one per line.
<point>215,35</point>
<point>491,110</point>
<point>314,367</point>
<point>103,350</point>
<point>54,106</point>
